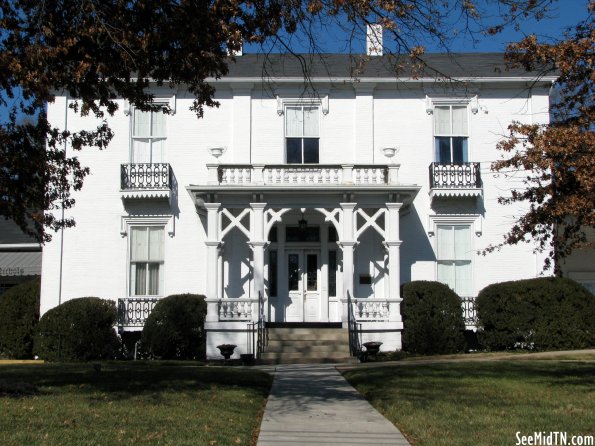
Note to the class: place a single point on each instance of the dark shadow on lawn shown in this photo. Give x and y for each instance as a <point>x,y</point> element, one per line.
<point>125,380</point>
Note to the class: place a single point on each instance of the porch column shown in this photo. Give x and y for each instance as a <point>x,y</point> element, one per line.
<point>347,245</point>
<point>213,245</point>
<point>258,244</point>
<point>393,245</point>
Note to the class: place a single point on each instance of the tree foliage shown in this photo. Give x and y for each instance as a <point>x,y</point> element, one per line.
<point>558,158</point>
<point>100,50</point>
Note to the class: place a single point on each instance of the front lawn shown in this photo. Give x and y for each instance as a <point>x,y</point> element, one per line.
<point>481,403</point>
<point>130,403</point>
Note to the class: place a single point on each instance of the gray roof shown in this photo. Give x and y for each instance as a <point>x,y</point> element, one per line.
<point>455,65</point>
<point>10,233</point>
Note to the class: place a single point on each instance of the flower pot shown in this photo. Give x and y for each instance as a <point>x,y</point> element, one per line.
<point>226,350</point>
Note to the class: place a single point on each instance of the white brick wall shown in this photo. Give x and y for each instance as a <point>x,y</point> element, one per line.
<point>94,259</point>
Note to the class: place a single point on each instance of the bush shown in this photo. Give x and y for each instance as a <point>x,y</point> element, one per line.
<point>543,314</point>
<point>432,318</point>
<point>78,330</point>
<point>19,315</point>
<point>175,328</point>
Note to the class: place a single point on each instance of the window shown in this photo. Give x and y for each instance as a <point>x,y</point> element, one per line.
<point>146,260</point>
<point>451,134</point>
<point>302,134</point>
<point>454,257</point>
<point>148,137</point>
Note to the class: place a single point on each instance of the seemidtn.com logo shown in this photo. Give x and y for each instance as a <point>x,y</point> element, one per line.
<point>553,439</point>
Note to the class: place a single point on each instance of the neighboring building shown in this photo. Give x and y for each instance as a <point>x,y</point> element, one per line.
<point>315,202</point>
<point>20,256</point>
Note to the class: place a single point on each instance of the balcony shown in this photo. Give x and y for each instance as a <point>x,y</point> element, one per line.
<point>146,180</point>
<point>134,311</point>
<point>455,180</point>
<point>307,175</point>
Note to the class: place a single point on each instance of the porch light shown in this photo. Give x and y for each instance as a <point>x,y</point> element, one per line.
<point>302,224</point>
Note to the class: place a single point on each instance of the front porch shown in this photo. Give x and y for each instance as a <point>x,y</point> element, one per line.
<point>311,240</point>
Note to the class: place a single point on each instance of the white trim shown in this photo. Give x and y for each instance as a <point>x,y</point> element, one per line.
<point>23,246</point>
<point>321,102</point>
<point>167,221</point>
<point>475,220</point>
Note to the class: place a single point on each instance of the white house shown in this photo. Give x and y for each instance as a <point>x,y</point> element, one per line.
<point>316,197</point>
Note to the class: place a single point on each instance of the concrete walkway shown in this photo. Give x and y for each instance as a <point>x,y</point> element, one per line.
<point>315,405</point>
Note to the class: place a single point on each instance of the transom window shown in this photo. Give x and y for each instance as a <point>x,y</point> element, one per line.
<point>454,257</point>
<point>451,134</point>
<point>146,260</point>
<point>302,134</point>
<point>149,134</point>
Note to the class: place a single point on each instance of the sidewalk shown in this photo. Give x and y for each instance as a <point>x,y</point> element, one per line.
<point>314,405</point>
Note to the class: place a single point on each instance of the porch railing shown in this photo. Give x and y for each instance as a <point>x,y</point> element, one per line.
<point>145,176</point>
<point>236,309</point>
<point>302,174</point>
<point>455,175</point>
<point>134,311</point>
<point>469,310</point>
<point>354,327</point>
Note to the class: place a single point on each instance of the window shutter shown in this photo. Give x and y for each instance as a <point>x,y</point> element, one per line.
<point>142,124</point>
<point>139,246</point>
<point>294,122</point>
<point>311,128</point>
<point>155,253</point>
<point>462,243</point>
<point>459,121</point>
<point>442,121</point>
<point>445,240</point>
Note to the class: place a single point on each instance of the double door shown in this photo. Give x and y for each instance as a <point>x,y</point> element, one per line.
<point>303,285</point>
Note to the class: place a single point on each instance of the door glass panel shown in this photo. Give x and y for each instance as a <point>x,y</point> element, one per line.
<point>332,273</point>
<point>293,272</point>
<point>312,270</point>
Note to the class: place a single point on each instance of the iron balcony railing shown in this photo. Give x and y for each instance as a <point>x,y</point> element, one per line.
<point>146,176</point>
<point>455,176</point>
<point>469,310</point>
<point>134,311</point>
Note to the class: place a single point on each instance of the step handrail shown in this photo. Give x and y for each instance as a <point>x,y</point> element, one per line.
<point>355,342</point>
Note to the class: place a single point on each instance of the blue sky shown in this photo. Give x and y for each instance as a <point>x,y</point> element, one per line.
<point>564,13</point>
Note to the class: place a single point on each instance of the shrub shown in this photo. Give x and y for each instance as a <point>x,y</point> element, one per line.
<point>544,313</point>
<point>78,330</point>
<point>19,315</point>
<point>175,328</point>
<point>432,318</point>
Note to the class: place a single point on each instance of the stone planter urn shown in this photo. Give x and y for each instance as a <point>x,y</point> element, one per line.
<point>372,348</point>
<point>226,350</point>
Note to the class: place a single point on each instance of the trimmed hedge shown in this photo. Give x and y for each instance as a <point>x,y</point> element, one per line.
<point>175,328</point>
<point>19,315</point>
<point>543,314</point>
<point>432,318</point>
<point>78,330</point>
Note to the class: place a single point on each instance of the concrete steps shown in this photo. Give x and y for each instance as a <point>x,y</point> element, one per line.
<point>293,345</point>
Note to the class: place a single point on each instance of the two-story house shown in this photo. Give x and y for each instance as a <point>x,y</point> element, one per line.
<point>309,203</point>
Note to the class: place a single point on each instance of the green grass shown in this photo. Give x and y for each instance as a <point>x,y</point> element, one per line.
<point>130,403</point>
<point>481,403</point>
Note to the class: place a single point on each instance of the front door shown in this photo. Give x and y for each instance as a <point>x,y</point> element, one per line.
<point>303,285</point>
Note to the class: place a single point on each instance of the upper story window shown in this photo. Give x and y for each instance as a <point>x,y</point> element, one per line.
<point>149,135</point>
<point>146,260</point>
<point>451,134</point>
<point>302,134</point>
